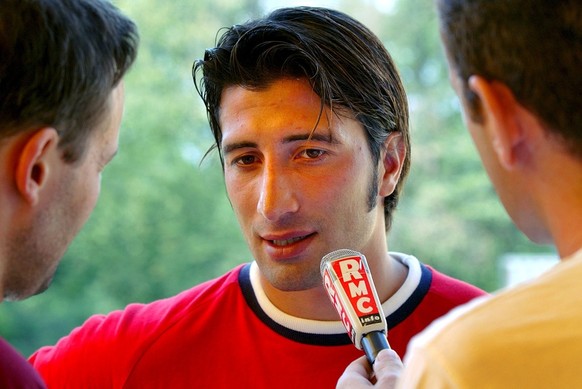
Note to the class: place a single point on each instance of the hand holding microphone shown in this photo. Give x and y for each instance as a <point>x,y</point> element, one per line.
<point>349,284</point>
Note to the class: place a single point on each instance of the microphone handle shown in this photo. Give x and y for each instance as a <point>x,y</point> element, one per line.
<point>372,343</point>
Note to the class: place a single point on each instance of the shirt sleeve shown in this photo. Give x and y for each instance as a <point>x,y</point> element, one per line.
<point>101,352</point>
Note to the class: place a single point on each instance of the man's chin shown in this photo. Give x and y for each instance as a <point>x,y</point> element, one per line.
<point>19,296</point>
<point>45,284</point>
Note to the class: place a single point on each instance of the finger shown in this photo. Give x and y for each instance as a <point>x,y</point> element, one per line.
<point>387,368</point>
<point>356,375</point>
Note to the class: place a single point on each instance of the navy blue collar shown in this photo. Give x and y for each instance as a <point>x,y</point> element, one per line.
<point>331,339</point>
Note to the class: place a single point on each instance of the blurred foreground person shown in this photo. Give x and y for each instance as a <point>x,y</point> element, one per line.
<point>61,101</point>
<point>517,69</point>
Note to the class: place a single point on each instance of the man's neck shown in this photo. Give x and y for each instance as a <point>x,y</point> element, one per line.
<point>560,196</point>
<point>314,304</point>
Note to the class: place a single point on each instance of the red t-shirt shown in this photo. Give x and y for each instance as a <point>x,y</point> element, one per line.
<point>218,335</point>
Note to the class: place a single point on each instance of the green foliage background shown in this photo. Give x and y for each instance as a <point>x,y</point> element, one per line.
<point>163,222</point>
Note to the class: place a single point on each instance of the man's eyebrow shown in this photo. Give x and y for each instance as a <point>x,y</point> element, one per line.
<point>315,136</point>
<point>288,139</point>
<point>237,145</point>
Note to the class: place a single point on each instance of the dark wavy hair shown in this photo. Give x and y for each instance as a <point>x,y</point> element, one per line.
<point>532,46</point>
<point>60,60</point>
<point>346,64</point>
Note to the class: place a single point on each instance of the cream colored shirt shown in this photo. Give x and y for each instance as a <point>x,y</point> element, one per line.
<point>528,336</point>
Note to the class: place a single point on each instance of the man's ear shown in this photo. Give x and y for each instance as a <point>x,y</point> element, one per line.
<point>34,163</point>
<point>393,157</point>
<point>504,119</point>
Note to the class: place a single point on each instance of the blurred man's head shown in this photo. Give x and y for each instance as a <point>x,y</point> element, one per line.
<point>61,102</point>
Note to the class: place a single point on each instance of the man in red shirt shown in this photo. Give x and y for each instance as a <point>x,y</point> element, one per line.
<point>311,123</point>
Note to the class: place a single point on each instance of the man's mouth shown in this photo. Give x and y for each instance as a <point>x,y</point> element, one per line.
<point>286,242</point>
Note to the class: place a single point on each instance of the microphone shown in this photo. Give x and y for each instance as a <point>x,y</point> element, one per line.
<point>348,282</point>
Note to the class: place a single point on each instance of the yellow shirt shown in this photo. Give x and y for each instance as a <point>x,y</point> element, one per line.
<point>529,336</point>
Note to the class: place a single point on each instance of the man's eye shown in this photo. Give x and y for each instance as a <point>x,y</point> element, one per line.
<point>244,160</point>
<point>312,153</point>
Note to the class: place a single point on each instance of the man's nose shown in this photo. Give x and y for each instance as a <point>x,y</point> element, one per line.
<point>277,193</point>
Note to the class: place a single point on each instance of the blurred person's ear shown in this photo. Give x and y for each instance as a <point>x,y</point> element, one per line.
<point>35,163</point>
<point>508,125</point>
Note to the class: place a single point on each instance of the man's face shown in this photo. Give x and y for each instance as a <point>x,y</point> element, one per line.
<point>297,194</point>
<point>74,189</point>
